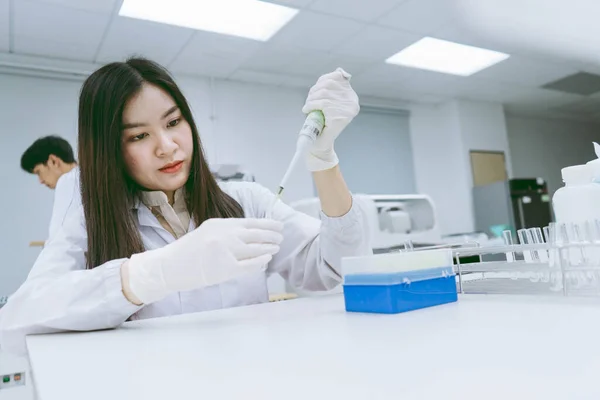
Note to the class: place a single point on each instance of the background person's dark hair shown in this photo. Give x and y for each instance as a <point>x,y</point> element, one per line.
<point>42,148</point>
<point>107,190</point>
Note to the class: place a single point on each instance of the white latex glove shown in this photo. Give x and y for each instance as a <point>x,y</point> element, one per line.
<point>333,95</point>
<point>217,251</point>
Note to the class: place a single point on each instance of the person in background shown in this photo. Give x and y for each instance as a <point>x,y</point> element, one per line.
<point>158,236</point>
<point>51,158</point>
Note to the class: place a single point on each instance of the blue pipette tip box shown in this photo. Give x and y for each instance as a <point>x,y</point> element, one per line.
<point>398,282</point>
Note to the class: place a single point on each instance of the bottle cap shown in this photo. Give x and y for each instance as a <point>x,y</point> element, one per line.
<point>577,174</point>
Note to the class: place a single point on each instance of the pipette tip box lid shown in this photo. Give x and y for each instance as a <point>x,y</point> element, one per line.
<point>397,282</point>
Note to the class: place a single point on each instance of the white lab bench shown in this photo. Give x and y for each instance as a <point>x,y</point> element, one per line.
<point>482,347</point>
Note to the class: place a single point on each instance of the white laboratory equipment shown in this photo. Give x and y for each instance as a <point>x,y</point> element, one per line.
<point>578,200</point>
<point>393,219</point>
<point>231,172</point>
<point>14,373</point>
<point>15,378</point>
<point>15,381</point>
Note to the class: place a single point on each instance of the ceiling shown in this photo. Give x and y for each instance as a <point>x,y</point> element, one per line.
<point>357,35</point>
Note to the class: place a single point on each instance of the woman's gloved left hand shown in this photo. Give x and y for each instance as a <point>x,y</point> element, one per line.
<point>333,95</point>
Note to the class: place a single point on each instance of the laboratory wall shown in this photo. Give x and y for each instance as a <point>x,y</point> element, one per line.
<point>442,137</point>
<point>29,108</point>
<point>483,127</point>
<point>541,147</point>
<point>440,168</point>
<point>375,152</point>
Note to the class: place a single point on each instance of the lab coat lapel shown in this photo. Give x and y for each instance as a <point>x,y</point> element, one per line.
<point>146,218</point>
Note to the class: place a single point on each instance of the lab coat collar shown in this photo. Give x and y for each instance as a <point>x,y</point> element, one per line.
<point>146,218</point>
<point>156,198</point>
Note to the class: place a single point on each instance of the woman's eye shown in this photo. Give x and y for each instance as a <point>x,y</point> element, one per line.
<point>173,123</point>
<point>139,137</point>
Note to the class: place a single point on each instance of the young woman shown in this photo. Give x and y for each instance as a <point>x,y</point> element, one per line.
<point>157,236</point>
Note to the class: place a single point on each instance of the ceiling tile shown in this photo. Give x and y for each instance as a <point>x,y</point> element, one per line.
<point>58,24</point>
<point>385,81</point>
<point>207,65</point>
<point>419,16</point>
<point>457,32</point>
<point>266,78</point>
<point>409,80</point>
<point>270,58</point>
<point>97,6</point>
<point>540,97</point>
<point>4,26</point>
<point>392,91</point>
<point>430,99</point>
<point>224,46</point>
<point>301,82</point>
<point>316,31</point>
<point>434,83</point>
<point>487,90</point>
<point>310,63</point>
<point>291,3</point>
<point>588,107</point>
<point>376,42</point>
<point>526,71</point>
<point>211,54</point>
<point>51,49</point>
<point>359,10</point>
<point>382,75</point>
<point>353,65</point>
<point>304,62</point>
<point>158,42</point>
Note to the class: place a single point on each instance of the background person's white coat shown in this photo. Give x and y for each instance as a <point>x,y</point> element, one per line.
<point>67,196</point>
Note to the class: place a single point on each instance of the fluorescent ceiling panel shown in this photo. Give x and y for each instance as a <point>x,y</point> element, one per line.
<point>250,19</point>
<point>446,57</point>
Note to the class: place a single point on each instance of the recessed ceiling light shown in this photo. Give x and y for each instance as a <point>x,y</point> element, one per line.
<point>447,57</point>
<point>252,19</point>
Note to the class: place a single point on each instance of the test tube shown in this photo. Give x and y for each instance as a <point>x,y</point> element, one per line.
<point>538,238</point>
<point>550,232</point>
<point>575,240</point>
<point>593,236</point>
<point>508,241</point>
<point>522,233</point>
<point>531,239</point>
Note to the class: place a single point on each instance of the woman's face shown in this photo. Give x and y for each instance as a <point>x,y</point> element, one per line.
<point>157,141</point>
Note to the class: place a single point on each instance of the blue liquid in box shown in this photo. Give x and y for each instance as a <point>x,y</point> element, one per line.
<point>392,293</point>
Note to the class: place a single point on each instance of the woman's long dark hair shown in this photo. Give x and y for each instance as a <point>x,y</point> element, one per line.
<point>107,190</point>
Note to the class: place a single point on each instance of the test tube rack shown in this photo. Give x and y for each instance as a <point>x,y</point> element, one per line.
<point>563,262</point>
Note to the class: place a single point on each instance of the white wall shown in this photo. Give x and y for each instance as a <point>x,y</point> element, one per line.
<point>541,147</point>
<point>442,137</point>
<point>29,108</point>
<point>483,127</point>
<point>375,153</point>
<point>439,166</point>
<point>253,125</point>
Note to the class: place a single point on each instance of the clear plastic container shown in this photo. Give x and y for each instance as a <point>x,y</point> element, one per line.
<point>398,282</point>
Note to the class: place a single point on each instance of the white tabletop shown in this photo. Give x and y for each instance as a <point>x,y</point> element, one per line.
<point>483,347</point>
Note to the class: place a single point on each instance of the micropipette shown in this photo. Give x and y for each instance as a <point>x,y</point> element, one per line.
<point>312,128</point>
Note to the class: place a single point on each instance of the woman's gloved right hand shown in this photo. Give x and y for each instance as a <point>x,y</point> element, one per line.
<point>217,251</point>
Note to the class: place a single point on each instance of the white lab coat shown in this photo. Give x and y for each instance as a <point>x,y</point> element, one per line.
<point>61,295</point>
<point>67,196</point>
